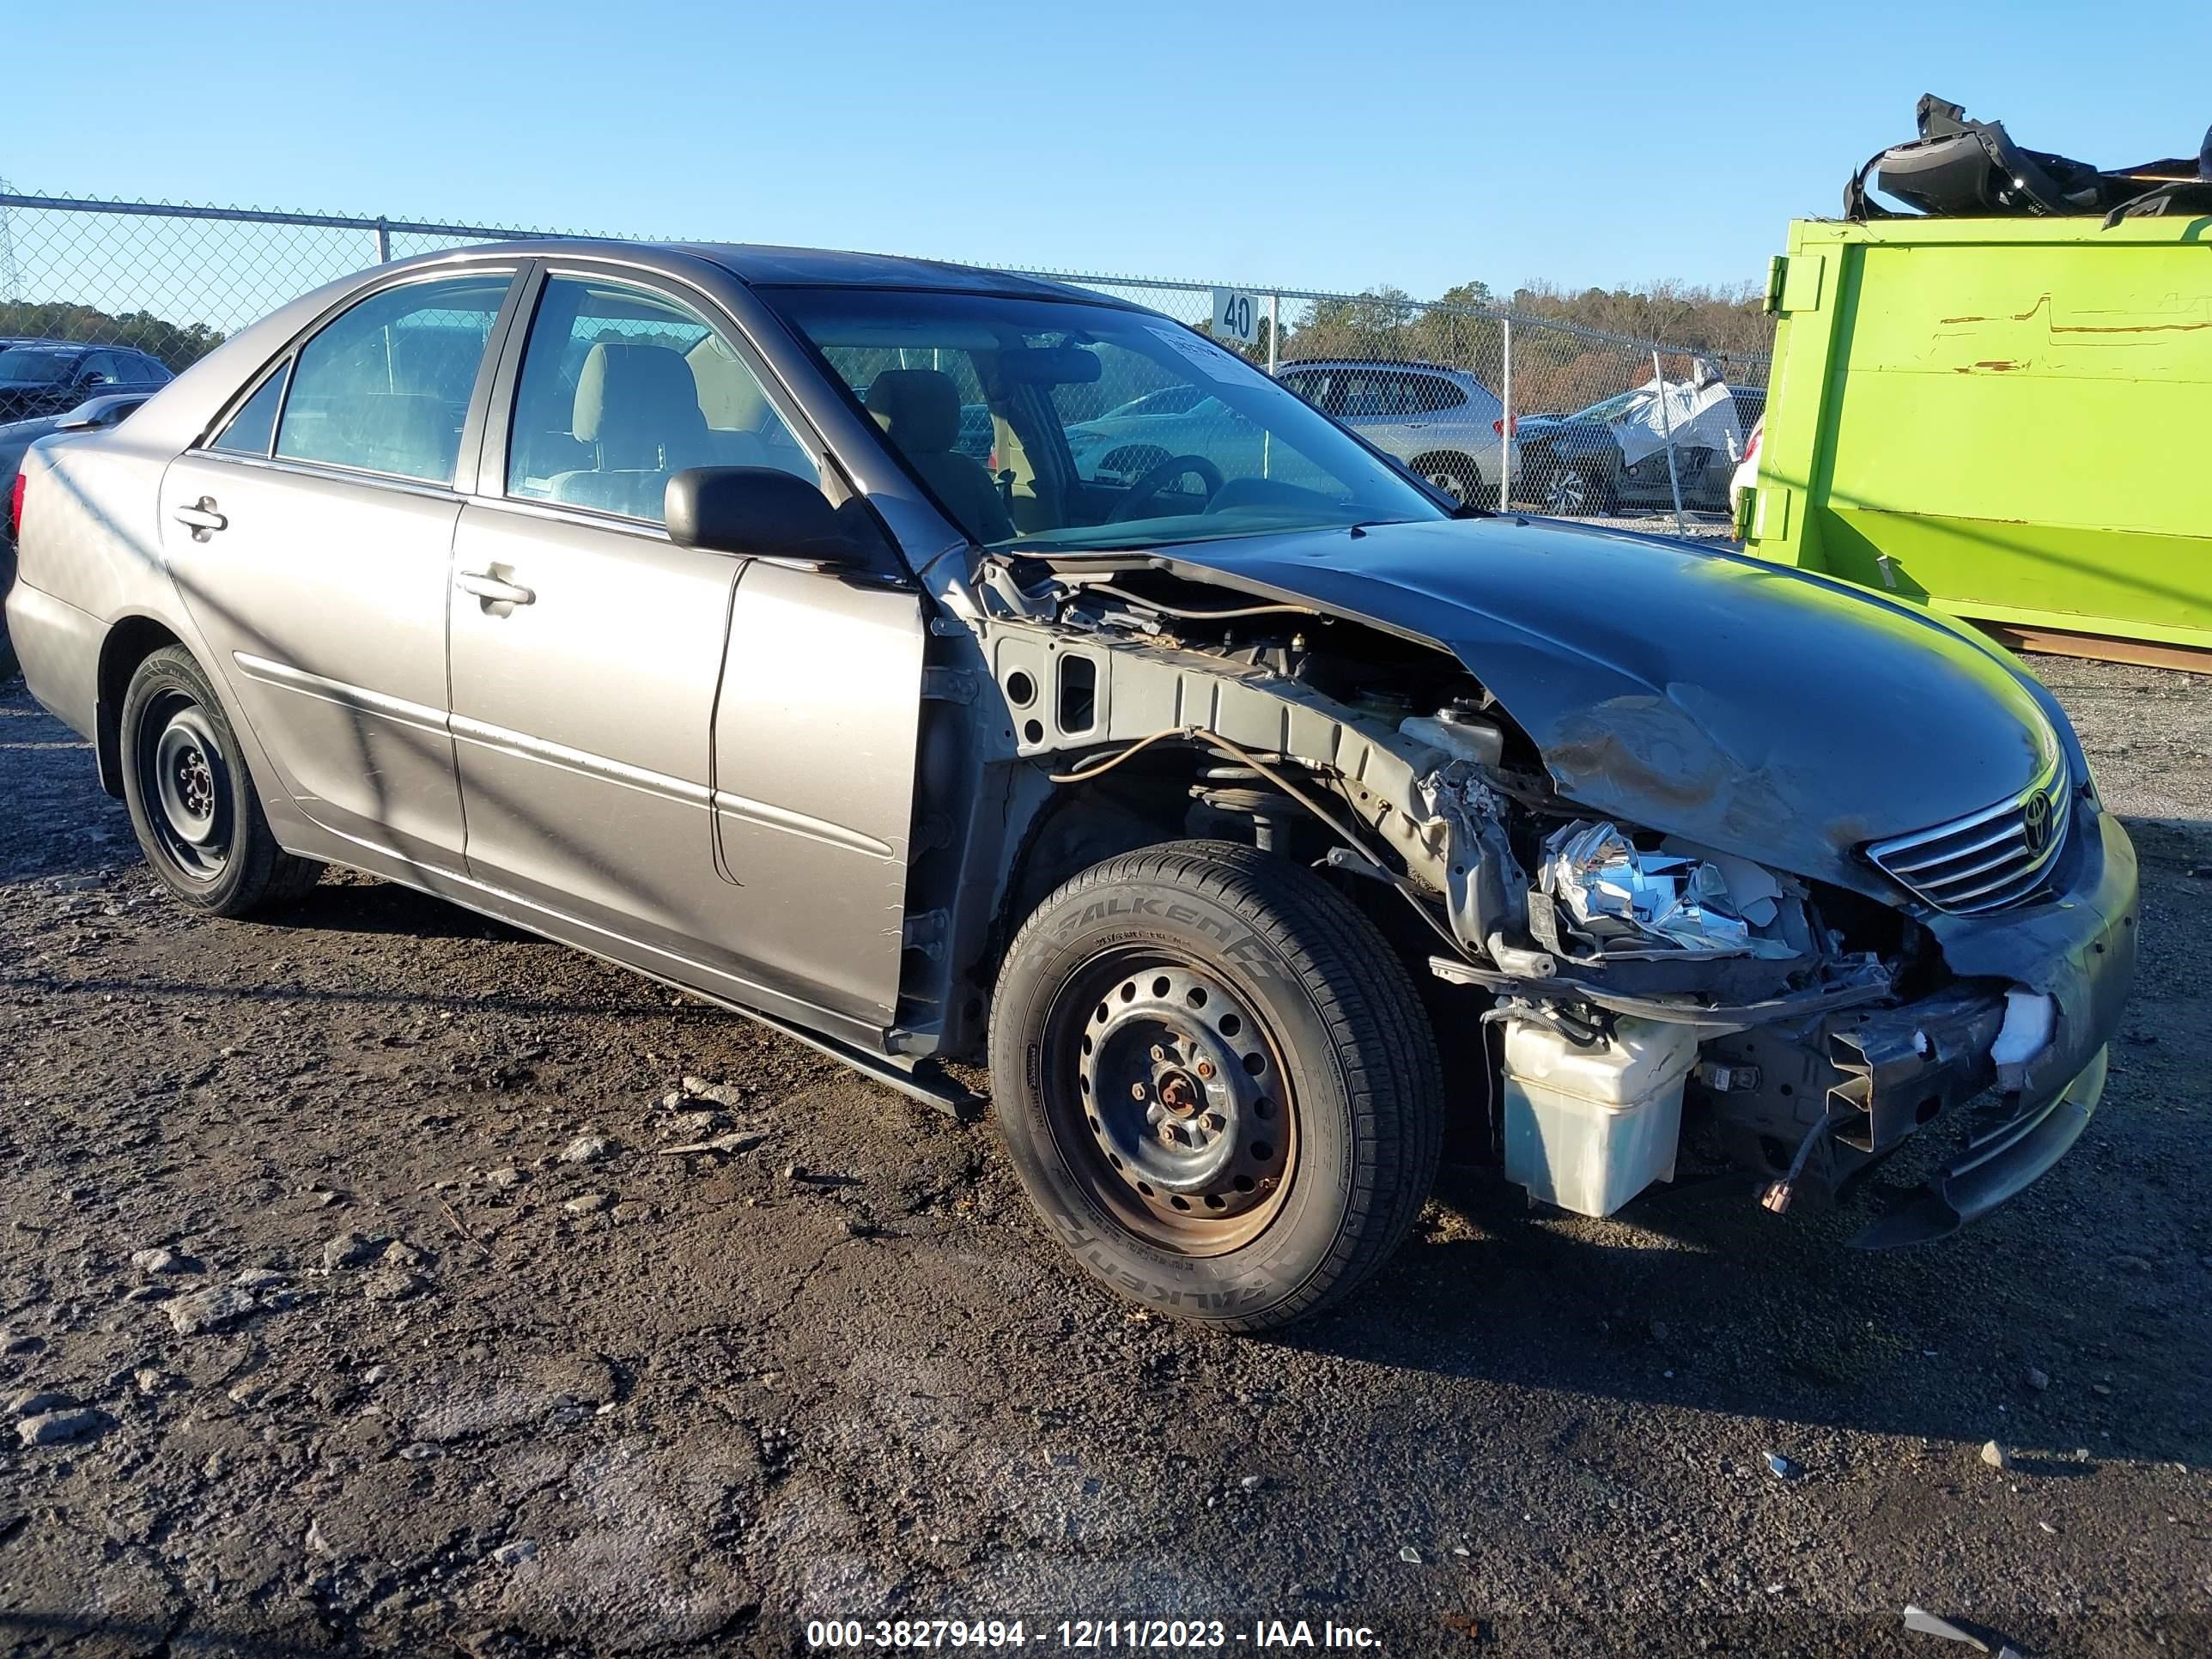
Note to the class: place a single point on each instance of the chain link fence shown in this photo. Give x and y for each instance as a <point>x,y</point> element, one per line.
<point>1494,405</point>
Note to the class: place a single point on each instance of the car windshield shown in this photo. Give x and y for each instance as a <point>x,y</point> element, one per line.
<point>19,367</point>
<point>1613,407</point>
<point>1056,426</point>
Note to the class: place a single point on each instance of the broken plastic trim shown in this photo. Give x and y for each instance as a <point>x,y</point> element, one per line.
<point>1996,1166</point>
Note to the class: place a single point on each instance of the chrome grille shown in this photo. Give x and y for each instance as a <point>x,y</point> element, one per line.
<point>1990,860</point>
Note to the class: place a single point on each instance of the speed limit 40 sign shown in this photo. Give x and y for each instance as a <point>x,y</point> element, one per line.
<point>1236,315</point>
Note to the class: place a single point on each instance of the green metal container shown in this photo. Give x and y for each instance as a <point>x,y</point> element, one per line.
<point>2007,419</point>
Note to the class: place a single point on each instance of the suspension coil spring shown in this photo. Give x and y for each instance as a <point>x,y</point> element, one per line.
<point>1243,793</point>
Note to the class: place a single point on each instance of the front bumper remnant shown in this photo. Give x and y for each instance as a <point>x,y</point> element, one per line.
<point>1997,1165</point>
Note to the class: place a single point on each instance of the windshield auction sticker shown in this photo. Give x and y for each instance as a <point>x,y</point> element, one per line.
<point>1209,359</point>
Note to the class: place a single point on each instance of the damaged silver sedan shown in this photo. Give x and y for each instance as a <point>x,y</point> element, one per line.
<point>749,616</point>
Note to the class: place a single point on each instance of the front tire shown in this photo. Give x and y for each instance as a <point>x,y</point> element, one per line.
<point>1579,491</point>
<point>191,800</point>
<point>1216,1082</point>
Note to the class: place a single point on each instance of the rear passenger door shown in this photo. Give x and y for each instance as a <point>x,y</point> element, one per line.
<point>1405,405</point>
<point>309,535</point>
<point>588,656</point>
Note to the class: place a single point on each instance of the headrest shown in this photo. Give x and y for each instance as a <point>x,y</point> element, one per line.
<point>919,407</point>
<point>627,386</point>
<point>729,396</point>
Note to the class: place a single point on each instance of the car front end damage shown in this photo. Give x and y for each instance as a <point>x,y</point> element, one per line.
<point>1843,934</point>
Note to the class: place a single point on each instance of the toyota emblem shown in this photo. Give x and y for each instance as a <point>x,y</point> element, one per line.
<point>2035,823</point>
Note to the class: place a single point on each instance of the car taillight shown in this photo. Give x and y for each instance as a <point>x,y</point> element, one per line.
<point>1502,427</point>
<point>15,510</point>
<point>1751,444</point>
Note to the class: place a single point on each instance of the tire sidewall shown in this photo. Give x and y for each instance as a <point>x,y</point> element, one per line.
<point>1073,929</point>
<point>171,671</point>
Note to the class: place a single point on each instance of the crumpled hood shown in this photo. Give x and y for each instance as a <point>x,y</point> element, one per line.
<point>1706,694</point>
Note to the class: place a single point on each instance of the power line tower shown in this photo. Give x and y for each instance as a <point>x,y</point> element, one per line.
<point>11,280</point>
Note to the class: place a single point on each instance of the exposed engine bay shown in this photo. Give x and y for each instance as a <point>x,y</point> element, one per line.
<point>1645,989</point>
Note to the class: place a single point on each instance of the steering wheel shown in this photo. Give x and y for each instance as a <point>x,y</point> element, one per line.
<point>1156,478</point>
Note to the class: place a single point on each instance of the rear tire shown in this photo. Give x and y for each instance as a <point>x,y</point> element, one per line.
<point>1216,1082</point>
<point>192,803</point>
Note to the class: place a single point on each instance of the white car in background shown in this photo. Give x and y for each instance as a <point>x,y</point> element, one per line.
<point>1442,423</point>
<point>1745,478</point>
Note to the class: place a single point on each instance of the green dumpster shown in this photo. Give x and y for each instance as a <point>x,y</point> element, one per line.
<point>2007,419</point>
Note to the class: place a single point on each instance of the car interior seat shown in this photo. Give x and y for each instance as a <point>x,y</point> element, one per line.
<point>919,409</point>
<point>637,412</point>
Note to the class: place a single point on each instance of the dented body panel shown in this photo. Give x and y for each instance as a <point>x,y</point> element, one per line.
<point>1696,692</point>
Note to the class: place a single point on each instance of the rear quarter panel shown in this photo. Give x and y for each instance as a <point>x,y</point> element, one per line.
<point>90,559</point>
<point>89,555</point>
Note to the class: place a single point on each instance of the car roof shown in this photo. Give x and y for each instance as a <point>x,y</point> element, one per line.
<point>808,267</point>
<point>761,266</point>
<point>1374,362</point>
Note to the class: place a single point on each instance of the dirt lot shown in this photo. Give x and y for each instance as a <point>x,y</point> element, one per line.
<point>375,1313</point>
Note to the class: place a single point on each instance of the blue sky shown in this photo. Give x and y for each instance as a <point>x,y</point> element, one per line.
<point>1314,145</point>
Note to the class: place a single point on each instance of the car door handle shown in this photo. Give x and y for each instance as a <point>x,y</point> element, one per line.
<point>203,517</point>
<point>491,589</point>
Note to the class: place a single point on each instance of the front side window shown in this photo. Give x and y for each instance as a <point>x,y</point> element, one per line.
<point>620,389</point>
<point>385,386</point>
<point>1109,428</point>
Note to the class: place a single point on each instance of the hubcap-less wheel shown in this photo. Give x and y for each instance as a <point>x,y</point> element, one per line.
<point>1171,1102</point>
<point>189,786</point>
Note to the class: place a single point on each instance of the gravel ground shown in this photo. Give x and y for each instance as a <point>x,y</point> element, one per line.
<point>354,1298</point>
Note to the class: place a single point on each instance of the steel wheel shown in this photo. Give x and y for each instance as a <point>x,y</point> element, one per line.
<point>1215,1082</point>
<point>192,803</point>
<point>1168,1097</point>
<point>186,780</point>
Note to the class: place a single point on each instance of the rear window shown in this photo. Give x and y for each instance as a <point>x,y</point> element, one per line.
<point>385,387</point>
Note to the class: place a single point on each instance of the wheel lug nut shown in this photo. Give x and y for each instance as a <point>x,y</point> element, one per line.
<point>1159,1053</point>
<point>1206,1068</point>
<point>1136,1092</point>
<point>1167,1135</point>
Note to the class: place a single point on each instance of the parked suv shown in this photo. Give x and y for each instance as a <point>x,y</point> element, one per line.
<point>1443,424</point>
<point>44,377</point>
<point>1224,808</point>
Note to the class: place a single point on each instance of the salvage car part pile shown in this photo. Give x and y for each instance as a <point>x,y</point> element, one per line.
<point>1958,168</point>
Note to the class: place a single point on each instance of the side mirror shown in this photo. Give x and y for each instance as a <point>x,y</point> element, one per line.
<point>758,510</point>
